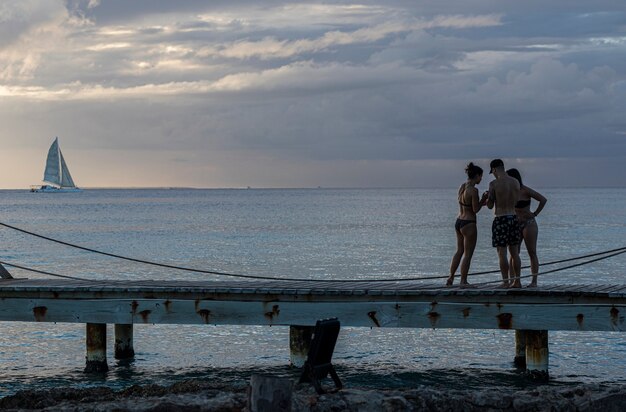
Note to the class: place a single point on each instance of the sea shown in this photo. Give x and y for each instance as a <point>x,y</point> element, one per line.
<point>305,233</point>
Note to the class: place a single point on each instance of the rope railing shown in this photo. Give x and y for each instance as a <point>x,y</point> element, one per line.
<point>610,253</point>
<point>620,251</point>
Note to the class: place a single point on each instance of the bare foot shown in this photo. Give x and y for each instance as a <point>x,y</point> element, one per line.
<point>466,285</point>
<point>516,284</point>
<point>450,281</point>
<point>532,285</point>
<point>503,285</point>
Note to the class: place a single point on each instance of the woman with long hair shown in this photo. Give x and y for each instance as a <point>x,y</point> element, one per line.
<point>465,225</point>
<point>527,222</point>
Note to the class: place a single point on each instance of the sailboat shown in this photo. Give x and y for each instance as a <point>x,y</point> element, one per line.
<point>56,175</point>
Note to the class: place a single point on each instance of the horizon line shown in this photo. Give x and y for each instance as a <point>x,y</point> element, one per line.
<point>299,188</point>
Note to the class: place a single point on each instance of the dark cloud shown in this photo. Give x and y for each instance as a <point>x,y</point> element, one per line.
<point>331,88</point>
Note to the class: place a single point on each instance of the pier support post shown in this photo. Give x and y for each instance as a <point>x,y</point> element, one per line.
<point>520,349</point>
<point>537,353</point>
<point>300,338</point>
<point>270,394</point>
<point>96,348</point>
<point>124,341</point>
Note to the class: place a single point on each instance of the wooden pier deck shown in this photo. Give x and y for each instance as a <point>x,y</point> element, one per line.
<point>368,304</point>
<point>299,305</point>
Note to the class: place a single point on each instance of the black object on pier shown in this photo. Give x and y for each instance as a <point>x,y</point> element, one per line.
<point>318,364</point>
<point>5,273</point>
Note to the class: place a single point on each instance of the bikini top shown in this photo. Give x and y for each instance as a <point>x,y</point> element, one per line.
<point>521,204</point>
<point>461,195</point>
<point>463,204</point>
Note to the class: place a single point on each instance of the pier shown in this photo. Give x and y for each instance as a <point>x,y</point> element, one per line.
<point>532,313</point>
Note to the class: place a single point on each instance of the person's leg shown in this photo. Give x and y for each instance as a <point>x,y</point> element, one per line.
<point>531,232</point>
<point>504,265</point>
<point>517,266</point>
<point>470,235</point>
<point>512,263</point>
<point>456,259</point>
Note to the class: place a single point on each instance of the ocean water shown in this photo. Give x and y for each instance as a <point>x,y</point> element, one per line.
<point>307,233</point>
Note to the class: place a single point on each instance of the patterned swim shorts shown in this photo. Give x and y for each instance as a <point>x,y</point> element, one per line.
<point>505,231</point>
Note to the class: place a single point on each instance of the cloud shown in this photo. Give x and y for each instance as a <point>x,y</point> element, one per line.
<point>29,29</point>
<point>22,18</point>
<point>335,89</point>
<point>270,47</point>
<point>548,89</point>
<point>285,79</point>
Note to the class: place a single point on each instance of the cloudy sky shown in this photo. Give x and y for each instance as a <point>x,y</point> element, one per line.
<point>394,93</point>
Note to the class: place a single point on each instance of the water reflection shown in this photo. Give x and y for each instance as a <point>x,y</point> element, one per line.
<point>304,233</point>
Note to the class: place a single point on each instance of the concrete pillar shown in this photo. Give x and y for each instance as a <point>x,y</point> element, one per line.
<point>96,348</point>
<point>270,394</point>
<point>300,338</point>
<point>537,353</point>
<point>124,341</point>
<point>520,349</point>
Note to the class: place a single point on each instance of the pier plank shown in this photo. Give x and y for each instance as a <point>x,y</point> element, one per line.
<point>608,289</point>
<point>575,288</point>
<point>552,287</point>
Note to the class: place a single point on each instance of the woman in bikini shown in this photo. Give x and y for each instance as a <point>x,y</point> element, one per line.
<point>465,226</point>
<point>527,222</point>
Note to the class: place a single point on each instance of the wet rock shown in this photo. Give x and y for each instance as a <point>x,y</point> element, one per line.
<point>195,395</point>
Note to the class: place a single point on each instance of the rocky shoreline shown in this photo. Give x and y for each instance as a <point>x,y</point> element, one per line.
<point>197,395</point>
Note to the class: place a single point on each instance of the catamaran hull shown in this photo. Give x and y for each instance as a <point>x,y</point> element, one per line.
<point>55,190</point>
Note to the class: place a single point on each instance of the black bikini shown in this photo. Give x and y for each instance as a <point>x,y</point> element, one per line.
<point>460,223</point>
<point>522,204</point>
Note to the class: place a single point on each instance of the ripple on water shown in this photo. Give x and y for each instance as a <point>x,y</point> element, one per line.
<point>304,233</point>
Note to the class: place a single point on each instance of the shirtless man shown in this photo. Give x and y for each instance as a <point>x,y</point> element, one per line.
<point>503,194</point>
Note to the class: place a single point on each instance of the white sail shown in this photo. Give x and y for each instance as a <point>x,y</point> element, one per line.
<point>56,172</point>
<point>52,172</point>
<point>66,177</point>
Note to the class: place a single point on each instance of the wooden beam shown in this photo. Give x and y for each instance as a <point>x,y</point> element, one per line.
<point>360,314</point>
<point>310,291</point>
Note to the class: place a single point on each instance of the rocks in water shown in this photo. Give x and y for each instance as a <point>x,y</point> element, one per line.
<point>197,395</point>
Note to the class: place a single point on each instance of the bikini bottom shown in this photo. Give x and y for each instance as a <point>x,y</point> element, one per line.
<point>460,223</point>
<point>523,224</point>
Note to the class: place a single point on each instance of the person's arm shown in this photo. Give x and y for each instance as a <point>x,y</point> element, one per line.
<point>491,199</point>
<point>484,197</point>
<point>539,198</point>
<point>476,204</point>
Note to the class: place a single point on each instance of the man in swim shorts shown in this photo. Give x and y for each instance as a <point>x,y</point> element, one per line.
<point>505,231</point>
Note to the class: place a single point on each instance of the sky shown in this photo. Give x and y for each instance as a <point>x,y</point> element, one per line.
<point>394,93</point>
